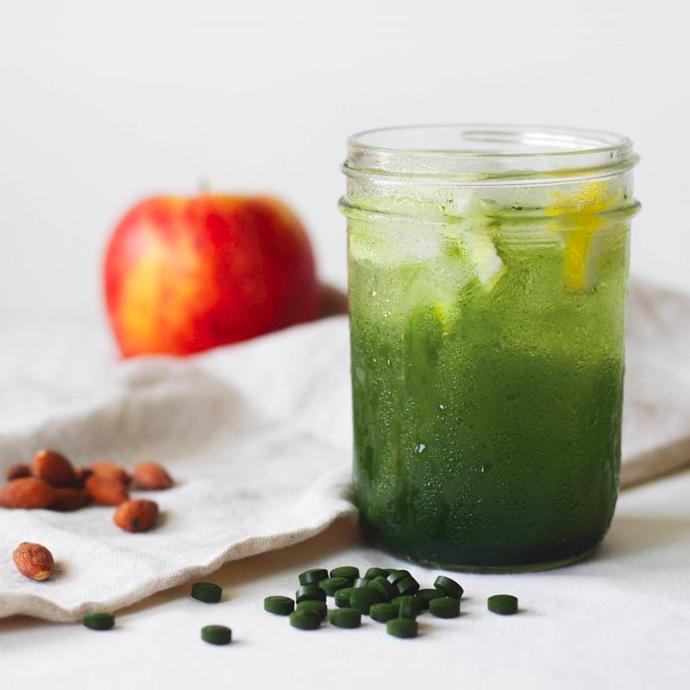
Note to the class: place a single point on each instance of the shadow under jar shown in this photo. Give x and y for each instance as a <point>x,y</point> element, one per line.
<point>487,277</point>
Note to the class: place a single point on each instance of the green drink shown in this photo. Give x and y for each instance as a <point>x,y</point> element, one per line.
<point>487,313</point>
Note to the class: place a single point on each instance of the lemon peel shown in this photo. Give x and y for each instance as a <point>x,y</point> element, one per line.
<point>580,212</point>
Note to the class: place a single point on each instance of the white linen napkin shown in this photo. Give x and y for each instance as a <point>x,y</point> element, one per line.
<point>256,435</point>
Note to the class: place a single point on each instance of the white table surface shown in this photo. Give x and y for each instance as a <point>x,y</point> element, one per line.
<point>618,620</point>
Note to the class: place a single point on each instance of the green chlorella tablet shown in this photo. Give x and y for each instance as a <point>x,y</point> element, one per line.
<point>503,604</point>
<point>383,612</point>
<point>308,592</point>
<point>408,607</point>
<point>216,634</point>
<point>332,584</point>
<point>445,607</point>
<point>448,586</point>
<point>408,585</point>
<point>99,621</point>
<point>208,592</point>
<point>396,575</point>
<point>349,572</point>
<point>426,595</point>
<point>318,607</point>
<point>376,572</point>
<point>305,620</point>
<point>281,606</point>
<point>313,576</point>
<point>361,582</point>
<point>362,598</point>
<point>346,618</point>
<point>402,627</point>
<point>383,587</point>
<point>342,597</point>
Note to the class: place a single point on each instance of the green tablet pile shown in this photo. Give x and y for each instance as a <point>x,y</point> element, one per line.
<point>388,595</point>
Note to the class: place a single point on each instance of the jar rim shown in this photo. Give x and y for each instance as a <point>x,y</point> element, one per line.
<point>478,152</point>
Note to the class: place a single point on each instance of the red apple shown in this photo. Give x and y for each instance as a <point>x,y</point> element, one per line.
<point>185,274</point>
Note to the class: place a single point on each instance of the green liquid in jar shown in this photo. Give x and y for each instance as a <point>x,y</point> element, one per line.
<point>487,373</point>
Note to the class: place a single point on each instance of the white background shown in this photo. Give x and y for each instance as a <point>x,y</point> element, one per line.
<point>103,103</point>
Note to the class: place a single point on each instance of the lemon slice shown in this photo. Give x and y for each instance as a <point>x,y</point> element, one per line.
<point>475,244</point>
<point>488,265</point>
<point>584,243</point>
<point>579,271</point>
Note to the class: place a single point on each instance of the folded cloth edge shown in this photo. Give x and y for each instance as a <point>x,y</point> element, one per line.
<point>11,604</point>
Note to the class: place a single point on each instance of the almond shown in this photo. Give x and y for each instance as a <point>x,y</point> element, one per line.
<point>82,474</point>
<point>27,492</point>
<point>151,476</point>
<point>138,515</point>
<point>110,470</point>
<point>33,561</point>
<point>53,468</point>
<point>107,492</point>
<point>17,472</point>
<point>69,498</point>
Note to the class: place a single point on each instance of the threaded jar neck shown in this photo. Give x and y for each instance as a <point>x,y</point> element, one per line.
<point>486,154</point>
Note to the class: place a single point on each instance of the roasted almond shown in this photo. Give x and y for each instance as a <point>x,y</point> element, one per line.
<point>110,470</point>
<point>82,474</point>
<point>53,468</point>
<point>137,515</point>
<point>27,492</point>
<point>151,476</point>
<point>33,561</point>
<point>69,498</point>
<point>17,472</point>
<point>107,492</point>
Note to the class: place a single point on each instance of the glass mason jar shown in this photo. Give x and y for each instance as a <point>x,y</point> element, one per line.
<point>487,276</point>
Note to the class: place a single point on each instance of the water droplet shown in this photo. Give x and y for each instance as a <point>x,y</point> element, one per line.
<point>419,448</point>
<point>441,407</point>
